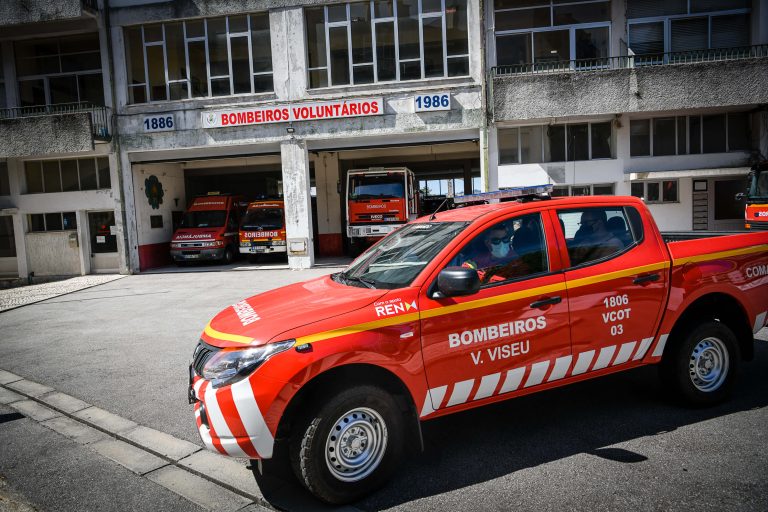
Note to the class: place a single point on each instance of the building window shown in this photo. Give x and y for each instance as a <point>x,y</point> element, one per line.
<point>155,221</point>
<point>525,35</point>
<point>441,187</point>
<point>50,176</point>
<point>7,240</point>
<point>601,189</point>
<point>656,27</point>
<point>555,143</point>
<point>664,191</point>
<point>59,70</point>
<point>5,185</point>
<point>689,135</point>
<point>199,58</point>
<point>385,41</point>
<point>59,221</point>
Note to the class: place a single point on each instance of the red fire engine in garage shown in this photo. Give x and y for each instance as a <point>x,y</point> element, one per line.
<point>756,210</point>
<point>379,200</point>
<point>262,230</point>
<point>464,308</point>
<point>208,229</point>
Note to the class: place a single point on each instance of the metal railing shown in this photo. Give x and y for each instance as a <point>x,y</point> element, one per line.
<point>101,118</point>
<point>633,61</point>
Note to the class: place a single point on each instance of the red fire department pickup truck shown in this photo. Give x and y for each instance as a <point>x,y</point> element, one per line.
<point>464,308</point>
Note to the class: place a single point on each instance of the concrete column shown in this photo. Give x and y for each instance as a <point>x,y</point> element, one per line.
<point>298,206</point>
<point>19,236</point>
<point>130,231</point>
<point>618,28</point>
<point>84,242</point>
<point>328,204</point>
<point>288,53</point>
<point>493,158</point>
<point>120,78</point>
<point>106,70</point>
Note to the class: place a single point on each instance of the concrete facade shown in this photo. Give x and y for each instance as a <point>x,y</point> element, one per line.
<point>54,134</point>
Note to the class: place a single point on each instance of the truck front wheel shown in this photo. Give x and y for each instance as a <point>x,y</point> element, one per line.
<point>349,446</point>
<point>701,367</point>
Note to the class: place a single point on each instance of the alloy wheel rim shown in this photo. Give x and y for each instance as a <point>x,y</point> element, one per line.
<point>708,364</point>
<point>356,444</point>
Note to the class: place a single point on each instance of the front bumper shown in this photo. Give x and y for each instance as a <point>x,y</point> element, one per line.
<point>262,249</point>
<point>229,419</point>
<point>198,254</point>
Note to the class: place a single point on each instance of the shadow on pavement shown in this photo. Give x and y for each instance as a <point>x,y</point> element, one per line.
<point>479,445</point>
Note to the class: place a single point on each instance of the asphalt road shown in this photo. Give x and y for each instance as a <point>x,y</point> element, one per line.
<point>615,443</point>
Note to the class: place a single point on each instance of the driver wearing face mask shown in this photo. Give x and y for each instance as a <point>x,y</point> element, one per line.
<point>499,261</point>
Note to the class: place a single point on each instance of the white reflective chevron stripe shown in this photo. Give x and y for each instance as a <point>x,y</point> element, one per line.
<point>253,421</point>
<point>433,400</point>
<point>461,392</point>
<point>512,380</point>
<point>625,352</point>
<point>538,370</point>
<point>583,362</point>
<point>759,321</point>
<point>561,368</point>
<point>219,424</point>
<point>606,353</point>
<point>660,345</point>
<point>644,345</point>
<point>487,386</point>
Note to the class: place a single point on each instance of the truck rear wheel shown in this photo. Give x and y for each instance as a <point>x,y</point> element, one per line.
<point>702,366</point>
<point>349,446</point>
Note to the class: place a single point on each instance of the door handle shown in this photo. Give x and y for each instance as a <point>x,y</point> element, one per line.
<point>546,302</point>
<point>650,278</point>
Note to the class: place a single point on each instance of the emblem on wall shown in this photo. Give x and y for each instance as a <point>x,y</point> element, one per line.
<point>154,191</point>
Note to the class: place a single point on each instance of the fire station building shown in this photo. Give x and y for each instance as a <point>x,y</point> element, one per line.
<point>116,114</point>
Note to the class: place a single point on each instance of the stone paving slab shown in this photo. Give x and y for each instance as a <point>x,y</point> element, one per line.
<point>24,295</point>
<point>7,396</point>
<point>135,459</point>
<point>198,490</point>
<point>81,434</point>
<point>6,377</point>
<point>162,443</point>
<point>29,388</point>
<point>34,410</point>
<point>63,402</point>
<point>112,423</point>
<point>226,470</point>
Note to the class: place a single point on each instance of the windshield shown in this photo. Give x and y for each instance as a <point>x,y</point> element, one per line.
<point>377,187</point>
<point>401,256</point>
<point>204,219</point>
<point>758,187</point>
<point>263,218</point>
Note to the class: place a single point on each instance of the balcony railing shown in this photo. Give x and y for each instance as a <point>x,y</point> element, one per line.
<point>633,61</point>
<point>101,118</point>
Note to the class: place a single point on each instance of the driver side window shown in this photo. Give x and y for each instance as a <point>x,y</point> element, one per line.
<point>509,250</point>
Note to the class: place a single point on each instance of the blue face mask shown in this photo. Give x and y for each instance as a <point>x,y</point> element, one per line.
<point>499,250</point>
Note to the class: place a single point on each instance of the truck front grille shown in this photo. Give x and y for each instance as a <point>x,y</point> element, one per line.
<point>203,352</point>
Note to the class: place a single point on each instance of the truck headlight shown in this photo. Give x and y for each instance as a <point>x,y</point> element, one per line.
<point>230,366</point>
<point>175,245</point>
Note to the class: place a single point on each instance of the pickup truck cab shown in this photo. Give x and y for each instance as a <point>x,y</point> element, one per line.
<point>208,230</point>
<point>465,308</point>
<point>262,230</point>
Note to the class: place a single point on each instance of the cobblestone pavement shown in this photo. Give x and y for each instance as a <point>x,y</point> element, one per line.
<point>23,295</point>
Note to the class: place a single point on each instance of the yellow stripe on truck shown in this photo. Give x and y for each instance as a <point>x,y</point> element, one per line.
<point>236,338</point>
<point>722,254</point>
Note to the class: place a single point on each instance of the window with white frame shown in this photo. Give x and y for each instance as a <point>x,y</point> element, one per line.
<point>598,189</point>
<point>58,221</point>
<point>59,70</point>
<point>661,191</point>
<point>690,135</point>
<point>543,34</point>
<point>199,58</point>
<point>441,187</point>
<point>50,176</point>
<point>656,27</point>
<point>556,143</point>
<point>386,41</point>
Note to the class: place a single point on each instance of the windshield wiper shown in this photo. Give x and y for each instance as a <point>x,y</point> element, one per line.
<point>366,282</point>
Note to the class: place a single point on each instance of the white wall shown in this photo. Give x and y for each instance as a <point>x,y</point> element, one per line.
<point>171,176</point>
<point>676,216</point>
<point>8,267</point>
<point>328,200</point>
<point>50,254</point>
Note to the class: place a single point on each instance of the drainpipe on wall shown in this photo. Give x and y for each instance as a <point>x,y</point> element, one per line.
<point>484,100</point>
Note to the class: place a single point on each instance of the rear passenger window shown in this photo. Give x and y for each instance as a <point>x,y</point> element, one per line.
<point>593,234</point>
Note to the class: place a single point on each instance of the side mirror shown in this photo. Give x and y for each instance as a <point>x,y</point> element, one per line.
<point>457,281</point>
<point>741,196</point>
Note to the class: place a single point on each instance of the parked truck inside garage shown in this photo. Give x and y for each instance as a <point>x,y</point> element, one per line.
<point>262,230</point>
<point>209,230</point>
<point>465,308</point>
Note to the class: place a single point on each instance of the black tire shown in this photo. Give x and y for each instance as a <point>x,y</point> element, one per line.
<point>229,256</point>
<point>348,410</point>
<point>700,366</point>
